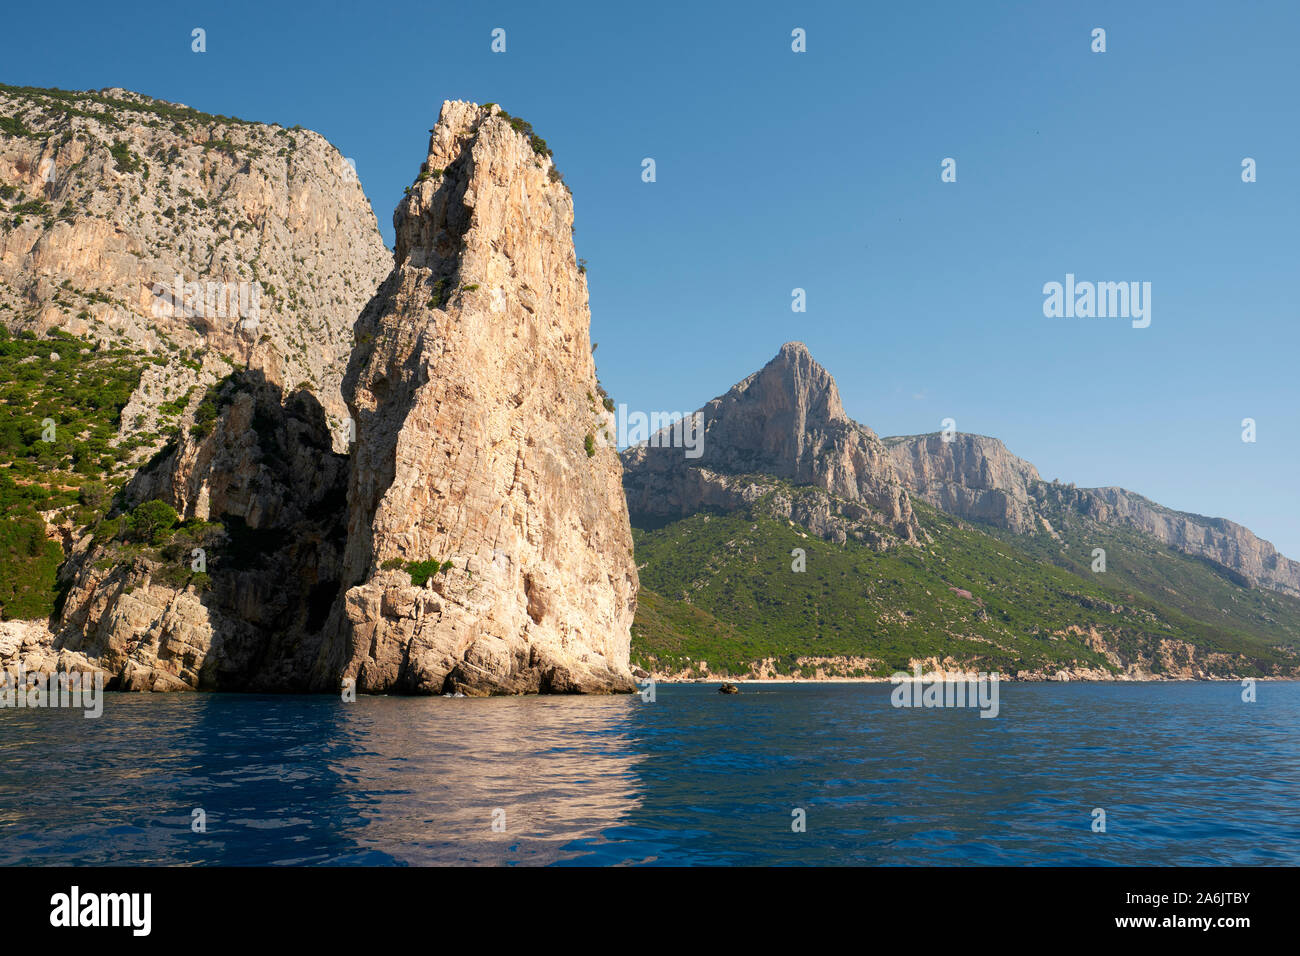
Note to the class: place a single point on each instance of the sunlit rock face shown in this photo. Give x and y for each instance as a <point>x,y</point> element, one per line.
<point>784,421</point>
<point>473,390</point>
<point>190,237</point>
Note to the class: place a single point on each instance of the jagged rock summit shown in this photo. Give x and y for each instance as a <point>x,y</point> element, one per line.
<point>775,421</point>
<point>473,389</point>
<point>785,421</point>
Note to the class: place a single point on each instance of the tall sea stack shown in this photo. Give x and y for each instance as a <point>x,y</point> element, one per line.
<point>474,394</point>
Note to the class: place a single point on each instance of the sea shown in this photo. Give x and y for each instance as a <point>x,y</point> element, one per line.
<point>798,774</point>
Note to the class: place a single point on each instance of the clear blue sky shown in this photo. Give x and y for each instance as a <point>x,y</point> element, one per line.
<point>821,170</point>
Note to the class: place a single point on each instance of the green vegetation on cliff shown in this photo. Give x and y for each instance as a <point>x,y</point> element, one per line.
<point>1137,563</point>
<point>420,571</point>
<point>59,403</point>
<point>720,588</point>
<point>106,108</point>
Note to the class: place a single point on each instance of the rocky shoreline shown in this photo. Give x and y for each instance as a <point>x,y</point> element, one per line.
<point>1051,679</point>
<point>838,670</point>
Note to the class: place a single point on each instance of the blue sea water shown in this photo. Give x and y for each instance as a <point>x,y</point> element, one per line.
<point>1187,773</point>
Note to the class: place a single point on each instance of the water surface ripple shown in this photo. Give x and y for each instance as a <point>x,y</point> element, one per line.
<point>1186,772</point>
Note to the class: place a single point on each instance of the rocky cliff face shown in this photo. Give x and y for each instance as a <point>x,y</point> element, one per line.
<point>1222,541</point>
<point>295,567</point>
<point>106,198</point>
<point>188,245</point>
<point>784,421</point>
<point>970,475</point>
<point>237,597</point>
<point>975,477</point>
<point>473,388</point>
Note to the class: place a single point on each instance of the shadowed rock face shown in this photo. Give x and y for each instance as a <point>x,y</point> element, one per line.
<point>271,493</point>
<point>785,421</point>
<point>473,391</point>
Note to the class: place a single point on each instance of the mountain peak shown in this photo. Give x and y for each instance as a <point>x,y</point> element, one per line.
<point>786,421</point>
<point>451,204</point>
<point>794,392</point>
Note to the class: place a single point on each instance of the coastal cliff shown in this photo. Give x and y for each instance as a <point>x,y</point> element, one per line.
<point>455,528</point>
<point>797,544</point>
<point>473,388</point>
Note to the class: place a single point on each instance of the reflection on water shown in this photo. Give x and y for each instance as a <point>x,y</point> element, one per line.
<point>313,780</point>
<point>435,778</point>
<point>1187,773</point>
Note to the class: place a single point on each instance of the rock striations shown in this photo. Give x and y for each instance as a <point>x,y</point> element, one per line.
<point>473,391</point>
<point>968,475</point>
<point>784,421</point>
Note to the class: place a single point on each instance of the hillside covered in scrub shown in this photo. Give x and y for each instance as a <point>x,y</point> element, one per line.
<point>61,459</point>
<point>781,551</point>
